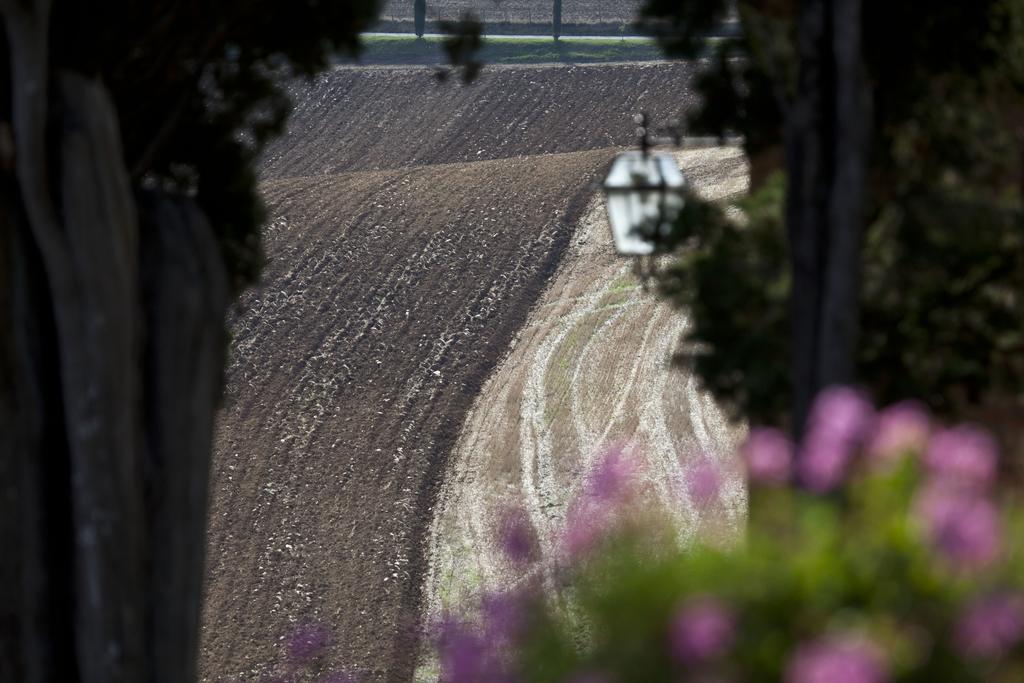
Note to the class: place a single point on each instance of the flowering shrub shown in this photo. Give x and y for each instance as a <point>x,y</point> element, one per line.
<point>878,550</point>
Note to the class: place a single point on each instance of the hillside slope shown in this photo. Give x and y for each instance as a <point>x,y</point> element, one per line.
<point>389,298</point>
<point>411,229</point>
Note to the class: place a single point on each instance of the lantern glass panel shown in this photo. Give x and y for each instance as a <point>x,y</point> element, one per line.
<point>644,196</point>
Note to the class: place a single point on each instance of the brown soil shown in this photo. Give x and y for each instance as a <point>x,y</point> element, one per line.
<point>389,296</point>
<point>377,118</point>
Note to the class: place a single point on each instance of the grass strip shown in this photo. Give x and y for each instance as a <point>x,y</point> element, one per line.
<point>512,50</point>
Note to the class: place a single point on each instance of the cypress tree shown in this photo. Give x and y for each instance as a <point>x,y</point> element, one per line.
<point>420,10</point>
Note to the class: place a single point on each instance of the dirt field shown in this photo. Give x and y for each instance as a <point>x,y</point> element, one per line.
<point>357,119</point>
<point>589,369</point>
<point>400,265</point>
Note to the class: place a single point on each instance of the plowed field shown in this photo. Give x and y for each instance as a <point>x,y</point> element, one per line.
<point>412,229</point>
<point>357,119</point>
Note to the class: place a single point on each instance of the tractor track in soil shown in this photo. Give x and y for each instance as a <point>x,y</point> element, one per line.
<point>589,370</point>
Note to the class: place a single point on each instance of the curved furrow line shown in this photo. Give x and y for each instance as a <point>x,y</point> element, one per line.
<point>537,479</point>
<point>589,441</point>
<point>661,445</point>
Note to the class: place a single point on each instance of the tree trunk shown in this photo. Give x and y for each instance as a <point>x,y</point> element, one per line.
<point>185,296</point>
<point>807,190</point>
<point>847,194</point>
<point>826,141</point>
<point>109,382</point>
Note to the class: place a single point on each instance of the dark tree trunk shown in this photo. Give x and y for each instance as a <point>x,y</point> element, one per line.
<point>827,135</point>
<point>184,299</point>
<point>807,192</point>
<point>556,19</point>
<point>847,195</point>
<point>419,8</point>
<point>108,384</point>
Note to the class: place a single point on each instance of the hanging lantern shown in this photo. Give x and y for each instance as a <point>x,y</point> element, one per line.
<point>645,193</point>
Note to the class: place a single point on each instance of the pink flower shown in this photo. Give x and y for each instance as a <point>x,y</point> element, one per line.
<point>840,414</point>
<point>504,617</point>
<point>963,456</point>
<point>466,657</point>
<point>836,661</point>
<point>899,429</point>
<point>611,477</point>
<point>516,536</point>
<point>769,456</point>
<point>608,486</point>
<point>586,522</point>
<point>991,626</point>
<point>823,462</point>
<point>834,430</point>
<point>462,653</point>
<point>963,526</point>
<point>307,642</point>
<point>701,630</point>
<point>703,481</point>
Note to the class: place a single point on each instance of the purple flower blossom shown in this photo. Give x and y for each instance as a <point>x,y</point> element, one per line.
<point>769,456</point>
<point>963,456</point>
<point>462,652</point>
<point>307,642</point>
<point>823,462</point>
<point>703,481</point>
<point>609,485</point>
<point>516,536</point>
<point>899,429</point>
<point>840,414</point>
<point>467,655</point>
<point>586,522</point>
<point>962,525</point>
<point>835,429</point>
<point>702,629</point>
<point>504,617</point>
<point>991,626</point>
<point>611,477</point>
<point>836,661</point>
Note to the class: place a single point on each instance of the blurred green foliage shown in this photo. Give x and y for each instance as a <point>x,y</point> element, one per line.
<point>943,261</point>
<point>734,280</point>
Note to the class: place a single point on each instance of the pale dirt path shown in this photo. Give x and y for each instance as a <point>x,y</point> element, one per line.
<point>589,369</point>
